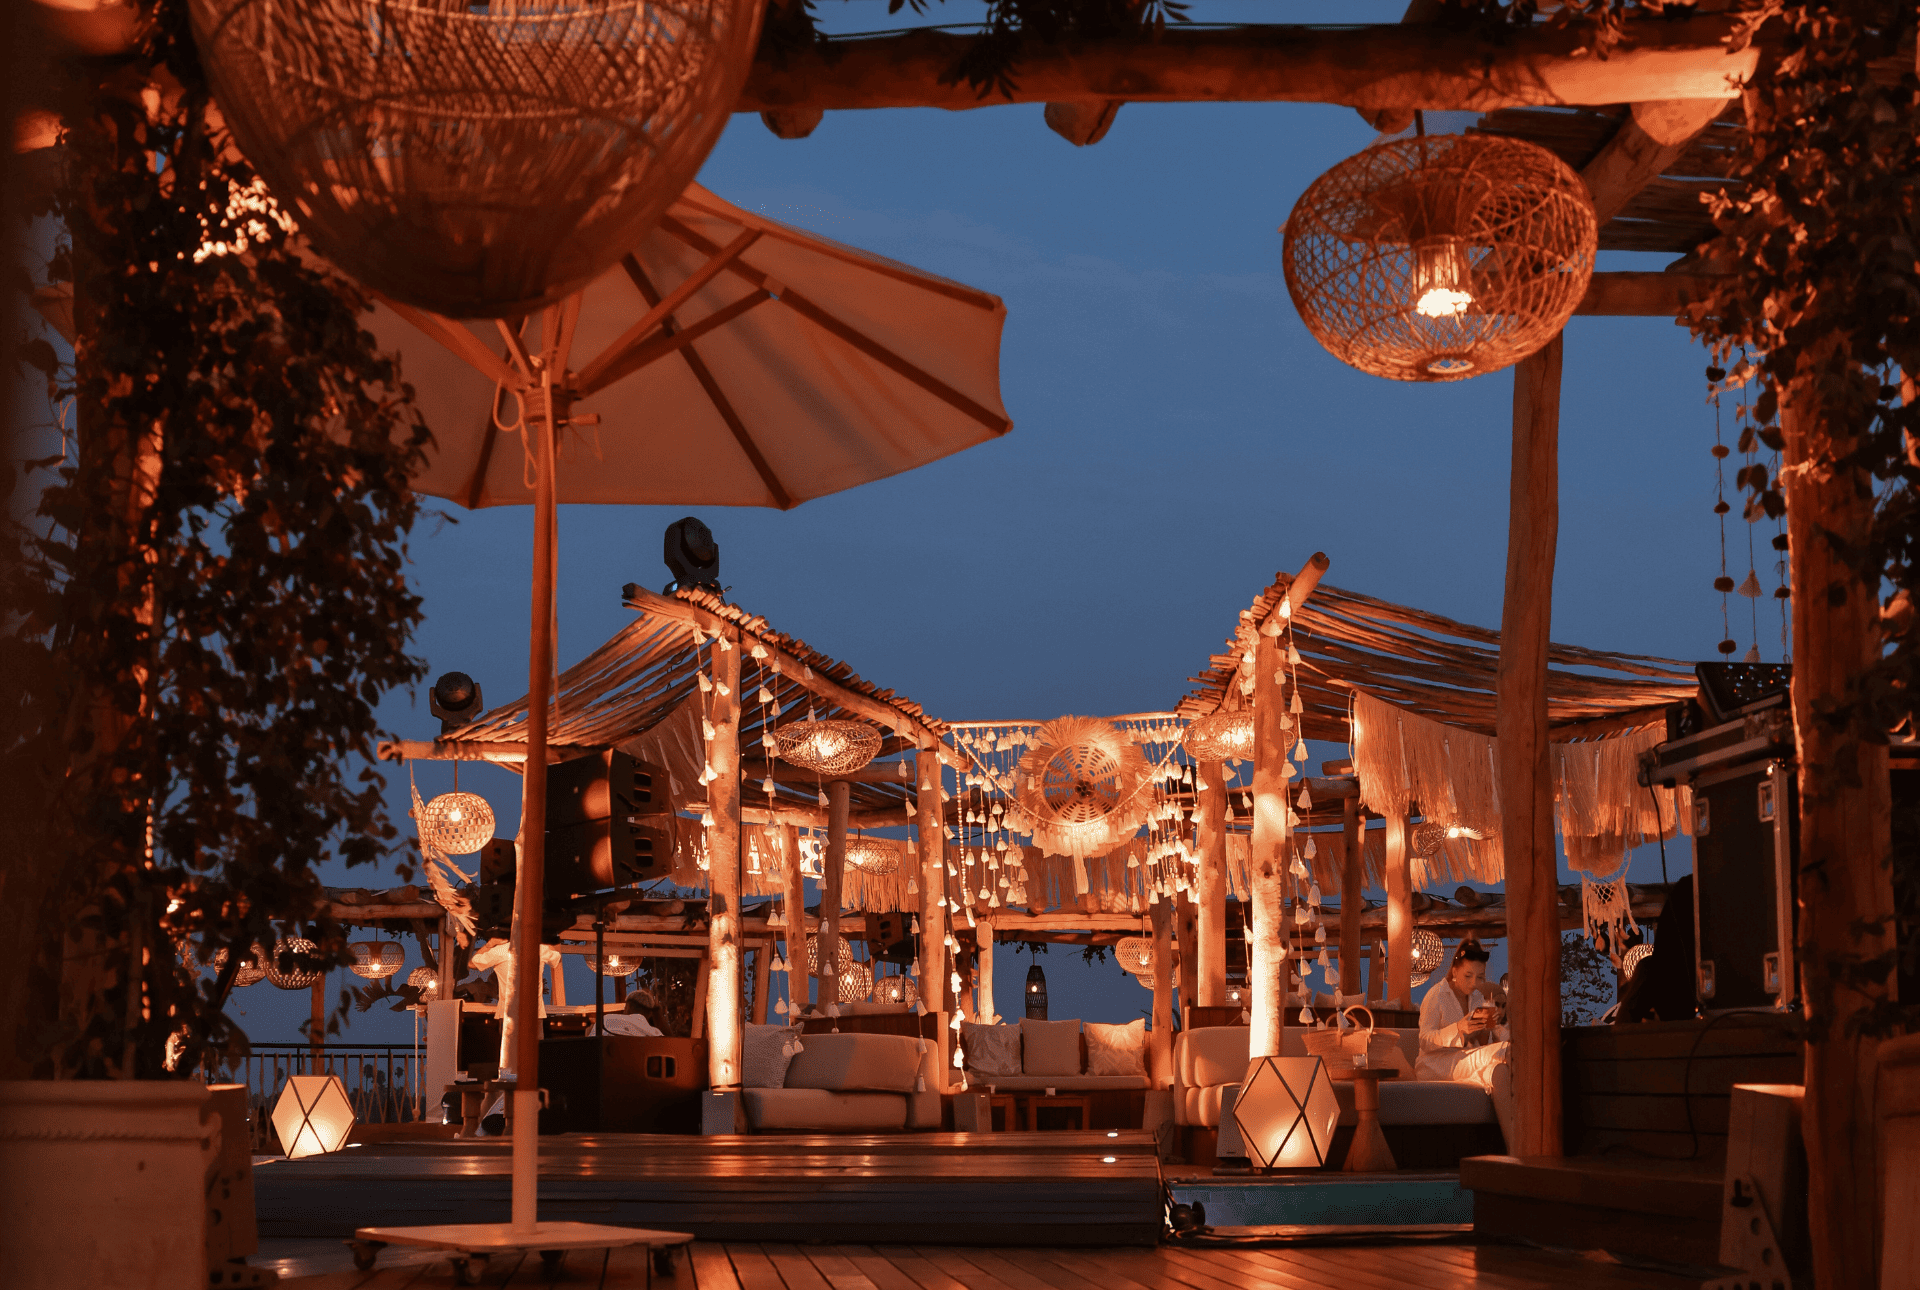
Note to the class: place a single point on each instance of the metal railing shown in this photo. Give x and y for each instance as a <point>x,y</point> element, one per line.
<point>382,1081</point>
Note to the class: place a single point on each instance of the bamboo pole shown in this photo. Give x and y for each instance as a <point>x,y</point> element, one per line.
<point>827,969</point>
<point>933,885</point>
<point>723,873</point>
<point>1526,790</point>
<point>1161,1041</point>
<point>1352,897</point>
<point>1210,896</point>
<point>1399,875</point>
<point>1266,860</point>
<point>796,913</point>
<point>1845,892</point>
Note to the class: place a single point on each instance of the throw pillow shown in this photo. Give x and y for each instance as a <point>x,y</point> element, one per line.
<point>991,1050</point>
<point>849,1062</point>
<point>1050,1047</point>
<point>1117,1050</point>
<point>765,1052</point>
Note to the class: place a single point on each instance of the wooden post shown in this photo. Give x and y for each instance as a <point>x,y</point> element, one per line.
<point>702,983</point>
<point>963,964</point>
<point>1352,898</point>
<point>762,978</point>
<point>1209,950</point>
<point>827,969</point>
<point>987,1011</point>
<point>444,974</point>
<point>723,859</point>
<point>796,913</point>
<point>1399,867</point>
<point>1267,857</point>
<point>931,830</point>
<point>1186,919</point>
<point>1161,1041</point>
<point>1845,891</point>
<point>1526,788</point>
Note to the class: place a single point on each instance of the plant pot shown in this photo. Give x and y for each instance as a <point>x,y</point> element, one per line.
<point>103,1183</point>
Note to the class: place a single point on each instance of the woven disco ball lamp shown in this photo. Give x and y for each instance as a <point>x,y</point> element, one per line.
<point>294,963</point>
<point>1080,785</point>
<point>896,989</point>
<point>1220,736</point>
<point>423,979</point>
<point>476,160</point>
<point>827,747</point>
<point>457,823</point>
<point>1428,955</point>
<point>1631,961</point>
<point>876,856</point>
<point>1440,257</point>
<point>375,960</point>
<point>1135,954</point>
<point>856,982</point>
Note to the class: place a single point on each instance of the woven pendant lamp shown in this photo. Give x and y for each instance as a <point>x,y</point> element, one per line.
<point>1080,783</point>
<point>477,160</point>
<point>1440,257</point>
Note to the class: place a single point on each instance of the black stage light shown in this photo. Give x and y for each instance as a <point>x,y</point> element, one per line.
<point>455,699</point>
<point>692,556</point>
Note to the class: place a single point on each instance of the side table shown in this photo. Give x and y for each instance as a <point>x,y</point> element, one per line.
<point>1369,1153</point>
<point>1060,1101</point>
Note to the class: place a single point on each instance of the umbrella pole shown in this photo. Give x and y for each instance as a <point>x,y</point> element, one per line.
<point>533,815</point>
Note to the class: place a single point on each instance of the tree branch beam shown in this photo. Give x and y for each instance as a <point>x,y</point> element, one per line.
<point>1371,68</point>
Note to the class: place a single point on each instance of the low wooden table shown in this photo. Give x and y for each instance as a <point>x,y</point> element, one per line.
<point>1369,1152</point>
<point>1038,1100</point>
<point>1003,1112</point>
<point>470,1245</point>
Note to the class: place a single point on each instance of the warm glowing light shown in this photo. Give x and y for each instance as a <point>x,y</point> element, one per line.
<point>457,823</point>
<point>313,1115</point>
<point>1287,1112</point>
<point>1221,736</point>
<point>828,747</point>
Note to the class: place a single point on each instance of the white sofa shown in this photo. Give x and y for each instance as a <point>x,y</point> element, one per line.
<point>1209,1060</point>
<point>851,1083</point>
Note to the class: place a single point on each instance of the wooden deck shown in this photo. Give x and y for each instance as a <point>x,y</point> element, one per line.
<point>766,1266</point>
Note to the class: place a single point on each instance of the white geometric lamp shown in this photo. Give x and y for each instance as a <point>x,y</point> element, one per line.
<point>1287,1112</point>
<point>312,1115</point>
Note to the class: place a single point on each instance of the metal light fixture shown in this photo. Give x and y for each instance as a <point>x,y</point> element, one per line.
<point>376,960</point>
<point>312,1115</point>
<point>830,747</point>
<point>1220,736</point>
<point>1036,993</point>
<point>1287,1112</point>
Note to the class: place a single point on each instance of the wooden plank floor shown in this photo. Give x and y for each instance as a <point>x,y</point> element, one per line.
<point>774,1266</point>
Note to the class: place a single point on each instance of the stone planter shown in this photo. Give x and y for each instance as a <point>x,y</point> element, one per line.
<point>103,1183</point>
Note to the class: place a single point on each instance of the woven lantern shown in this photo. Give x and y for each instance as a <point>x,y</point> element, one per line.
<point>1440,257</point>
<point>1428,954</point>
<point>253,970</point>
<point>423,979</point>
<point>1633,958</point>
<point>457,823</point>
<point>1221,736</point>
<point>844,956</point>
<point>856,982</point>
<point>478,161</point>
<point>1135,954</point>
<point>613,964</point>
<point>827,747</point>
<point>293,964</point>
<point>1079,784</point>
<point>376,960</point>
<point>896,989</point>
<point>877,856</point>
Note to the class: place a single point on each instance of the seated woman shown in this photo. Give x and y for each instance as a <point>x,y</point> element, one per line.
<point>1460,1036</point>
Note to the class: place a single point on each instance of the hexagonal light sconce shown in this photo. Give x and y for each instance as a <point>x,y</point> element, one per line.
<point>1287,1112</point>
<point>312,1115</point>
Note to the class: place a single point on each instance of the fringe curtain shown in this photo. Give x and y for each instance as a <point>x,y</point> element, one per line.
<point>1402,758</point>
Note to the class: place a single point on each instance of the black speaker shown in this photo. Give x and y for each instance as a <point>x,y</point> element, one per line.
<point>608,824</point>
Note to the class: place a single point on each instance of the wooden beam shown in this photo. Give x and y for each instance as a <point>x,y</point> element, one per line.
<point>988,1010</point>
<point>1371,68</point>
<point>494,750</point>
<point>1210,889</point>
<point>1643,295</point>
<point>1399,861</point>
<point>1267,851</point>
<point>1297,592</point>
<point>1846,908</point>
<point>723,966</point>
<point>1525,780</point>
<point>930,836</point>
<point>1649,141</point>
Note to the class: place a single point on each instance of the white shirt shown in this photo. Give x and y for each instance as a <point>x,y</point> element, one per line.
<point>1443,1036</point>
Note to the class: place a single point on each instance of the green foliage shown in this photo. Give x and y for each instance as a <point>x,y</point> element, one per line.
<point>210,596</point>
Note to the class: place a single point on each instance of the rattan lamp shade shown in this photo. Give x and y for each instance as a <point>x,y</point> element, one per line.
<point>294,963</point>
<point>480,160</point>
<point>1440,257</point>
<point>458,823</point>
<point>827,747</point>
<point>1429,952</point>
<point>376,960</point>
<point>1221,736</point>
<point>1135,954</point>
<point>877,856</point>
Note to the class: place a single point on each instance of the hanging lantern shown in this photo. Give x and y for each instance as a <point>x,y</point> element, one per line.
<point>293,965</point>
<point>844,955</point>
<point>896,989</point>
<point>1221,736</point>
<point>614,964</point>
<point>877,856</point>
<point>1633,957</point>
<point>479,162</point>
<point>423,979</point>
<point>827,747</point>
<point>1428,954</point>
<point>376,960</point>
<point>856,982</point>
<point>253,970</point>
<point>1135,954</point>
<point>457,823</point>
<point>1440,257</point>
<point>1036,993</point>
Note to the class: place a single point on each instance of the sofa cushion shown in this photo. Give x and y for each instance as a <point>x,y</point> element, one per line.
<point>1200,1106</point>
<point>851,1062</point>
<point>1434,1101</point>
<point>819,1109</point>
<point>1117,1050</point>
<point>1209,1055</point>
<point>765,1052</point>
<point>992,1050</point>
<point>1050,1047</point>
<point>1060,1083</point>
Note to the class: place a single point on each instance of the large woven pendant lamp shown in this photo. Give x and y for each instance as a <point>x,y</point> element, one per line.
<point>1440,257</point>
<point>476,159</point>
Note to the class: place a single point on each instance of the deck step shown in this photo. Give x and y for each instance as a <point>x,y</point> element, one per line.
<point>1658,1209</point>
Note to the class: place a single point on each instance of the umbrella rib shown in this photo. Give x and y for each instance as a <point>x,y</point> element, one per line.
<point>669,340</point>
<point>479,481</point>
<point>702,373</point>
<point>873,349</point>
<point>589,378</point>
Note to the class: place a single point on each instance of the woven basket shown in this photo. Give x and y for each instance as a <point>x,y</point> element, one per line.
<point>1337,1048</point>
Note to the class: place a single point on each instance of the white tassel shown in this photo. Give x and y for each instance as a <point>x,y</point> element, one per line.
<point>1306,1015</point>
<point>1296,706</point>
<point>706,730</point>
<point>758,650</point>
<point>1333,976</point>
<point>706,686</point>
<point>1311,851</point>
<point>766,695</point>
<point>913,889</point>
<point>780,1006</point>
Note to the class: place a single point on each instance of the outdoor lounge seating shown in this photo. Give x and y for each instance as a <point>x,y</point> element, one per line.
<point>847,1083</point>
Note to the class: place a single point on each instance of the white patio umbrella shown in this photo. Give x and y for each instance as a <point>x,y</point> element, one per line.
<point>736,362</point>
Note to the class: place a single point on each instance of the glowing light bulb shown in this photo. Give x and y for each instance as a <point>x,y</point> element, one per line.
<point>1441,276</point>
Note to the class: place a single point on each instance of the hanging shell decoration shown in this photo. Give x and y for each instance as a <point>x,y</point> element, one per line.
<point>1081,784</point>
